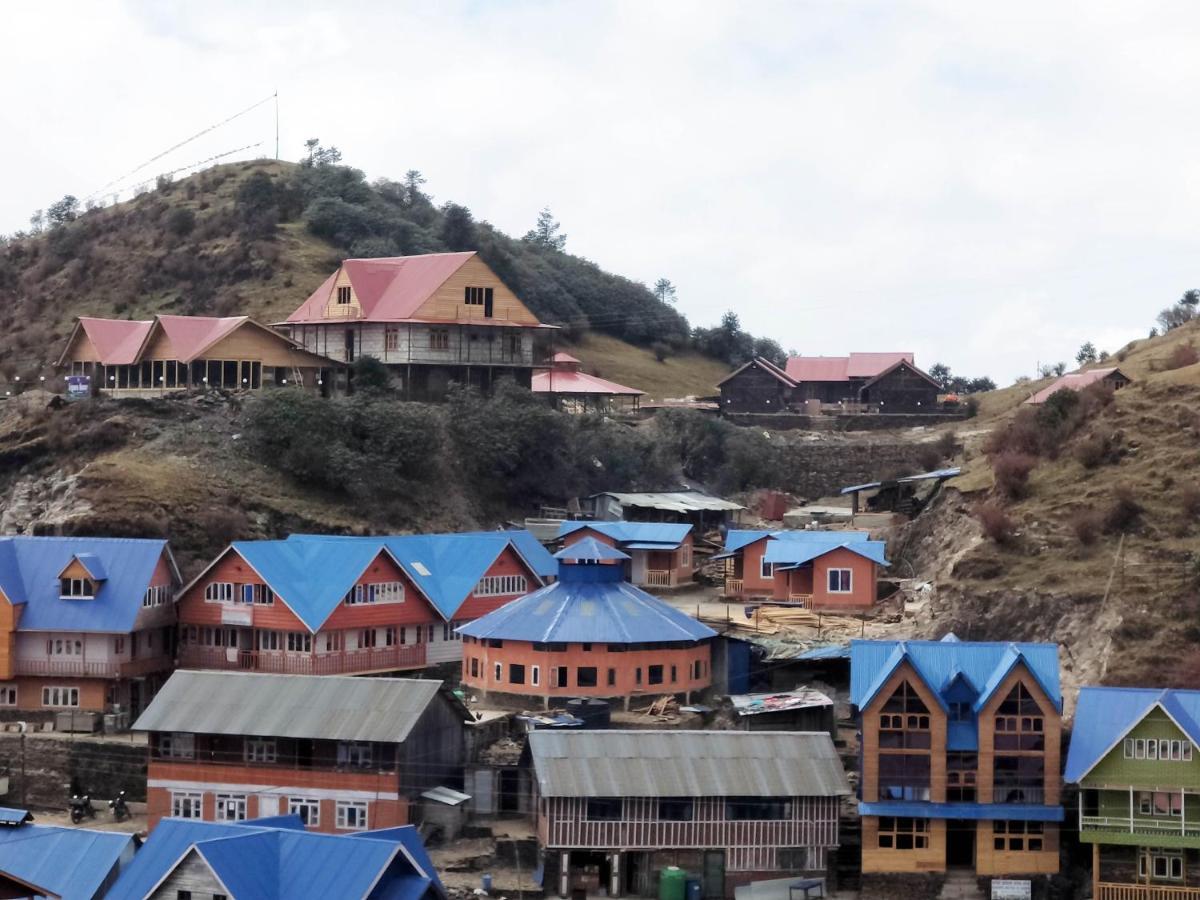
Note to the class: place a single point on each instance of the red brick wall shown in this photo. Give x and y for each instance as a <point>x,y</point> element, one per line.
<point>507,563</point>
<point>193,610</point>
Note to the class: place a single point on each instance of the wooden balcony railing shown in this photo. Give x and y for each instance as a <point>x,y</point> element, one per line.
<point>733,587</point>
<point>1136,825</point>
<point>804,601</point>
<point>79,668</point>
<point>1111,891</point>
<point>658,577</point>
<point>350,662</point>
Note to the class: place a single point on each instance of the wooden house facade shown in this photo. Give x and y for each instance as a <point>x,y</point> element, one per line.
<point>382,604</point>
<point>435,319</point>
<point>189,353</point>
<point>86,624</point>
<point>660,553</point>
<point>1135,758</point>
<point>758,386</point>
<point>344,754</point>
<point>826,570</point>
<point>614,808</point>
<point>590,634</point>
<point>960,763</point>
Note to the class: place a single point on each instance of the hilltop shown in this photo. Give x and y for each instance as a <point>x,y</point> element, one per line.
<point>1099,546</point>
<point>256,238</point>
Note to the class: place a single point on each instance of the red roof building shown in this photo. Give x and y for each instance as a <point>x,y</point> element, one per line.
<point>1077,381</point>
<point>434,319</point>
<point>187,352</point>
<point>573,390</point>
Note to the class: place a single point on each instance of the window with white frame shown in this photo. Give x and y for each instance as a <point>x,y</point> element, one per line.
<point>1165,865</point>
<point>501,585</point>
<point>383,592</point>
<point>177,745</point>
<point>535,675</point>
<point>685,555</point>
<point>156,595</point>
<point>119,645</point>
<point>307,808</point>
<point>186,804</point>
<point>230,808</point>
<point>766,569</point>
<point>299,642</point>
<point>77,588</point>
<point>840,581</point>
<point>499,672</point>
<point>389,636</point>
<point>8,695</point>
<point>269,640</point>
<point>333,641</point>
<point>64,647</point>
<point>1160,803</point>
<point>260,750</point>
<point>219,592</point>
<point>262,594</point>
<point>1161,749</point>
<point>355,754</point>
<point>352,815</point>
<point>61,697</point>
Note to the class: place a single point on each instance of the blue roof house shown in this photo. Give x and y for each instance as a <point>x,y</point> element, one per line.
<point>959,755</point>
<point>590,634</point>
<point>53,861</point>
<point>660,553</point>
<point>85,622</point>
<point>1135,755</point>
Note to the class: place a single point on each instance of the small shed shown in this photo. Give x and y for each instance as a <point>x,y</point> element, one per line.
<point>446,810</point>
<point>898,494</point>
<point>803,709</point>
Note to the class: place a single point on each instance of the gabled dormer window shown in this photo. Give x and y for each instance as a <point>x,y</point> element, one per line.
<point>77,588</point>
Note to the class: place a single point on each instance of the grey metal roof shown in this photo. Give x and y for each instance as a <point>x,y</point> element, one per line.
<point>686,764</point>
<point>675,501</point>
<point>327,707</point>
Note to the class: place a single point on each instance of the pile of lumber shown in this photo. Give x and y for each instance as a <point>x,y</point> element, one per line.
<point>785,619</point>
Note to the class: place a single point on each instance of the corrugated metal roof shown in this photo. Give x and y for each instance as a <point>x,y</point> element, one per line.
<point>72,863</point>
<point>907,479</point>
<point>311,573</point>
<point>843,368</point>
<point>332,707</point>
<point>673,501</point>
<point>589,603</point>
<point>798,546</point>
<point>1075,381</point>
<point>686,764</point>
<point>116,341</point>
<point>589,550</point>
<point>1104,715</point>
<point>277,859</point>
<point>939,663</point>
<point>765,365</point>
<point>11,816</point>
<point>974,812</point>
<point>570,381</point>
<point>30,569</point>
<point>448,796</point>
<point>833,651</point>
<point>621,531</point>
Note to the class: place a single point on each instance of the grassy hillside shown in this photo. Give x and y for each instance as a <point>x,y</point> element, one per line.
<point>1104,537</point>
<point>679,375</point>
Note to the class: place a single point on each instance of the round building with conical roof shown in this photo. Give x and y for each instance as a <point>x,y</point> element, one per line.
<point>589,634</point>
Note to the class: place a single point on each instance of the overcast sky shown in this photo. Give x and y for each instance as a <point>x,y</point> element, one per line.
<point>988,185</point>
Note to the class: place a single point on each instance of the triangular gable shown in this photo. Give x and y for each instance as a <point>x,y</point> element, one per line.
<point>1009,661</point>
<point>1077,770</point>
<point>959,685</point>
<point>448,567</point>
<point>903,363</point>
<point>115,341</point>
<point>766,365</point>
<point>191,850</point>
<point>248,865</point>
<point>89,563</point>
<point>898,658</point>
<point>793,554</point>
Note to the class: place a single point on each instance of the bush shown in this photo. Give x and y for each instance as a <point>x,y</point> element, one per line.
<point>929,457</point>
<point>1011,472</point>
<point>1022,435</point>
<point>661,350</point>
<point>1087,525</point>
<point>1182,356</point>
<point>947,444</point>
<point>1096,450</point>
<point>369,374</point>
<point>971,407</point>
<point>996,523</point>
<point>1124,512</point>
<point>181,222</point>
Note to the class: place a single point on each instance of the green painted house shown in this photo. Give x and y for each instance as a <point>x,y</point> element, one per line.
<point>1135,755</point>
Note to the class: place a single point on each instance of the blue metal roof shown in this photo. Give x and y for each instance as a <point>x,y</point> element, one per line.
<point>11,816</point>
<point>70,862</point>
<point>624,532</point>
<point>833,651</point>
<point>941,663</point>
<point>1018,812</point>
<point>312,573</point>
<point>1104,715</point>
<point>588,603</point>
<point>29,575</point>
<point>589,550</point>
<point>799,546</point>
<point>282,861</point>
<point>410,839</point>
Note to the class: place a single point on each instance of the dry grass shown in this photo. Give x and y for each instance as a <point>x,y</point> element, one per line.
<point>678,376</point>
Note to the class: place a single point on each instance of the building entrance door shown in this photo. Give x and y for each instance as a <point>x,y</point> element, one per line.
<point>960,845</point>
<point>714,874</point>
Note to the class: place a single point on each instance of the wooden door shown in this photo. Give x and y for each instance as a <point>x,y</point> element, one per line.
<point>714,874</point>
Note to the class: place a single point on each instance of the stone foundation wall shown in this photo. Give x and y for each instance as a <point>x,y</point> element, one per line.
<point>99,768</point>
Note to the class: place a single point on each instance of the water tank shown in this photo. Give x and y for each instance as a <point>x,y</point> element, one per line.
<point>693,889</point>
<point>593,712</point>
<point>672,884</point>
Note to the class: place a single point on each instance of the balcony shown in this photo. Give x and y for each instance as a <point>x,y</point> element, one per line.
<point>79,668</point>
<point>733,587</point>
<point>658,578</point>
<point>804,601</point>
<point>1111,891</point>
<point>351,662</point>
<point>1162,827</point>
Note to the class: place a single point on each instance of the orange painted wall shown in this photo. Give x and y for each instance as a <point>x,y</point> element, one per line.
<point>93,692</point>
<point>507,563</point>
<point>625,664</point>
<point>752,580</point>
<point>815,581</point>
<point>672,560</point>
<point>415,610</point>
<point>193,610</point>
<point>10,617</point>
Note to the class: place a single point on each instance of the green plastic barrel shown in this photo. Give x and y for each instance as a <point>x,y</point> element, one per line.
<point>672,884</point>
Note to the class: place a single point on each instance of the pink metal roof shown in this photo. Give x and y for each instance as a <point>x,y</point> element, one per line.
<point>843,368</point>
<point>389,289</point>
<point>190,336</point>
<point>117,341</point>
<point>1075,381</point>
<point>566,381</point>
<point>565,358</point>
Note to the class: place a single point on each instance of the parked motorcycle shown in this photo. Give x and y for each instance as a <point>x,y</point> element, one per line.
<point>81,808</point>
<point>120,810</point>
